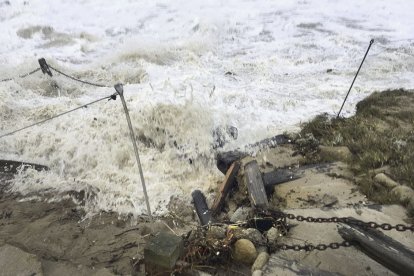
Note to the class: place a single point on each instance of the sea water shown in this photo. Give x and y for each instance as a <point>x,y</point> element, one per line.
<point>188,68</point>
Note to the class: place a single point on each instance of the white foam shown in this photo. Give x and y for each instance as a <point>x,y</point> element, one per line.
<point>173,57</point>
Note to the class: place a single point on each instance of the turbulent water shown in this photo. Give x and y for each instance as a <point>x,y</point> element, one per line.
<point>188,68</point>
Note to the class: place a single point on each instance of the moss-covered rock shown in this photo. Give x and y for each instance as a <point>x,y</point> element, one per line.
<point>381,133</point>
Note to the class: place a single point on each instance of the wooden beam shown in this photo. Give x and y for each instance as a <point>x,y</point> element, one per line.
<point>386,251</point>
<point>278,176</point>
<point>254,182</point>
<point>226,186</point>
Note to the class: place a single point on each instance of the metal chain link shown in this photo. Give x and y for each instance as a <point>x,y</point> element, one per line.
<point>347,220</point>
<point>311,247</point>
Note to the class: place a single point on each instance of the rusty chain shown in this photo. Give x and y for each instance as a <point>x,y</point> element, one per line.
<point>311,247</point>
<point>278,216</point>
<point>347,220</point>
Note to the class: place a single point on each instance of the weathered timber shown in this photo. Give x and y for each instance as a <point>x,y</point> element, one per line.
<point>201,207</point>
<point>278,176</point>
<point>386,251</point>
<point>226,186</point>
<point>225,159</point>
<point>253,180</point>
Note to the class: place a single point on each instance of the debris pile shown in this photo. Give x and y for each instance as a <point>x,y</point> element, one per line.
<point>244,229</point>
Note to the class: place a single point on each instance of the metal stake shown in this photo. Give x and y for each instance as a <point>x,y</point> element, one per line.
<point>366,53</point>
<point>120,89</point>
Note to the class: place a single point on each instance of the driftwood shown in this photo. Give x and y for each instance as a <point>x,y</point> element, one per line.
<point>225,159</point>
<point>201,207</point>
<point>226,186</point>
<point>278,176</point>
<point>386,251</point>
<point>253,180</point>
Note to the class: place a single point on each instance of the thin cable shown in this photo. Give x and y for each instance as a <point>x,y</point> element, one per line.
<point>61,114</point>
<point>21,76</point>
<point>78,80</point>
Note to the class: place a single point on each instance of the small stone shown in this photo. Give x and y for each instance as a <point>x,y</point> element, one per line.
<point>216,232</point>
<point>257,273</point>
<point>261,249</point>
<point>273,235</point>
<point>410,208</point>
<point>329,200</point>
<point>260,261</point>
<point>403,193</point>
<point>250,234</point>
<point>335,153</point>
<point>240,214</point>
<point>244,251</point>
<point>232,207</point>
<point>386,181</point>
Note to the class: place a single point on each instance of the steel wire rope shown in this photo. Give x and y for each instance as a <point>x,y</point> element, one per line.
<point>111,97</point>
<point>22,76</point>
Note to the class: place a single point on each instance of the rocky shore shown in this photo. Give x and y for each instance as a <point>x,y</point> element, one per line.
<point>335,178</point>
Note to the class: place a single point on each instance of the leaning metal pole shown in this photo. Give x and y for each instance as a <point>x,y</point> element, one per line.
<point>356,75</point>
<point>120,89</point>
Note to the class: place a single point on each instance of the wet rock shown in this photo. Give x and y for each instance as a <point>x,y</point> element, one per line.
<point>403,193</point>
<point>261,249</point>
<point>410,208</point>
<point>181,208</point>
<point>240,214</point>
<point>225,159</point>
<point>257,273</point>
<point>153,228</point>
<point>330,154</point>
<point>14,261</point>
<point>329,200</point>
<point>199,273</point>
<point>244,251</point>
<point>250,234</point>
<point>385,181</point>
<point>216,232</point>
<point>163,250</point>
<point>272,235</point>
<point>103,272</point>
<point>260,261</point>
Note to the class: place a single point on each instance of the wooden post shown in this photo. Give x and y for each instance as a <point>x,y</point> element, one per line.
<point>225,188</point>
<point>201,207</point>
<point>388,252</point>
<point>253,180</point>
<point>119,88</point>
